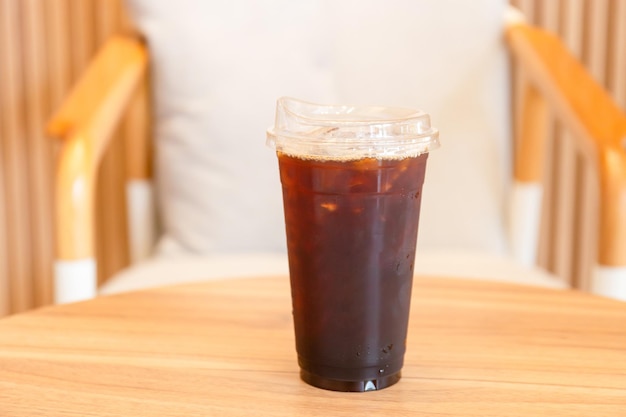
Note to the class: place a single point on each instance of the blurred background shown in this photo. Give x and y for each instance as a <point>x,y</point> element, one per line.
<point>44,46</point>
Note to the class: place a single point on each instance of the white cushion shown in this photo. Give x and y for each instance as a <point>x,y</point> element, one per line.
<point>162,271</point>
<point>482,266</point>
<point>218,68</point>
<point>169,270</point>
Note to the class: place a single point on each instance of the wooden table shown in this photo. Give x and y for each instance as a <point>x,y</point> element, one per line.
<point>226,348</point>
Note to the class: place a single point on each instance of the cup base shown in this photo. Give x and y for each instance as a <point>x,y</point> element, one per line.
<point>349,386</point>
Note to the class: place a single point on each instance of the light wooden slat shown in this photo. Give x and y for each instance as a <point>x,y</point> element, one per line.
<point>572,27</point>
<point>528,8</point>
<point>82,35</point>
<point>105,190</point>
<point>571,220</point>
<point>545,254</point>
<point>596,56</point>
<point>563,204</point>
<point>5,302</point>
<point>586,221</point>
<point>617,69</point>
<point>15,158</point>
<point>107,13</point>
<point>58,44</point>
<point>549,15</point>
<point>596,40</point>
<point>5,282</point>
<point>112,245</point>
<point>567,21</point>
<point>523,6</point>
<point>8,126</point>
<point>39,149</point>
<point>137,135</point>
<point>577,32</point>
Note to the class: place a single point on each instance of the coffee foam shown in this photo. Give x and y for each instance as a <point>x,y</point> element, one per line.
<point>350,149</point>
<point>350,158</point>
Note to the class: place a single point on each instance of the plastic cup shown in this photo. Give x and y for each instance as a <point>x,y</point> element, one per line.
<point>352,179</point>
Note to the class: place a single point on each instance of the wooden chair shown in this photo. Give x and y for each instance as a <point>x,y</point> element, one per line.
<point>553,81</point>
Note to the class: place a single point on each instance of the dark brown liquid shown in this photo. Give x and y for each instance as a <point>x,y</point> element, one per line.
<point>351,236</point>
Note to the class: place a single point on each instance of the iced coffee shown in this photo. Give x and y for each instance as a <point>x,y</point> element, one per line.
<point>351,205</point>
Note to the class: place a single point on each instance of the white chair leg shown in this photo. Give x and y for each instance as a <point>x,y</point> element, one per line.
<point>525,220</point>
<point>141,218</point>
<point>74,280</point>
<point>609,281</point>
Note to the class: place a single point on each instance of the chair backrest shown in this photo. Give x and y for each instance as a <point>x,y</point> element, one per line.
<point>218,68</point>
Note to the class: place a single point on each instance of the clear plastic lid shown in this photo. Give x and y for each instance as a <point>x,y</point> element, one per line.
<point>343,132</point>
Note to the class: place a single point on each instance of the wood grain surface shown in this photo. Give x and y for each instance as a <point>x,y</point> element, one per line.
<point>226,348</point>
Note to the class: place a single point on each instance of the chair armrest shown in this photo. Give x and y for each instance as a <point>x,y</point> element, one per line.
<point>85,122</point>
<point>97,101</point>
<point>589,113</point>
